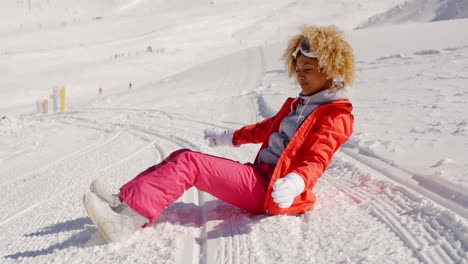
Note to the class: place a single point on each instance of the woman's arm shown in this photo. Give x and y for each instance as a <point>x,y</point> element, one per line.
<point>259,133</point>
<point>255,133</point>
<point>324,141</point>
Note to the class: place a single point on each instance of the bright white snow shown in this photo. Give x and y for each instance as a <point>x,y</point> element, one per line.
<point>396,192</point>
<point>420,11</point>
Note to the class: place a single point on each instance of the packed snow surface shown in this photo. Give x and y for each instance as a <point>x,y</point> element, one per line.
<point>396,192</point>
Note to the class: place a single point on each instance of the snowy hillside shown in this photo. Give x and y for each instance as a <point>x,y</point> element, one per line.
<point>420,11</point>
<point>57,44</point>
<point>396,192</point>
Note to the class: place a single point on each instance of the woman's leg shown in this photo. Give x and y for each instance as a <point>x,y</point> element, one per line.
<point>242,185</point>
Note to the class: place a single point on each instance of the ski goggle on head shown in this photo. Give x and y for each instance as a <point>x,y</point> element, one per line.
<point>305,49</point>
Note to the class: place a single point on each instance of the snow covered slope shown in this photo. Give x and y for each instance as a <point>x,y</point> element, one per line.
<point>420,11</point>
<point>395,193</point>
<point>84,45</point>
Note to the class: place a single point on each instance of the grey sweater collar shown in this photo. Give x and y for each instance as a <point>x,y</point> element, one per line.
<point>326,96</point>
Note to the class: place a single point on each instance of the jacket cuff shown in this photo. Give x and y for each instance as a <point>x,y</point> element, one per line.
<point>234,140</point>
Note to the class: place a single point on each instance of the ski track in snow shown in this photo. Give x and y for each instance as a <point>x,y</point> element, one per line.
<point>426,229</point>
<point>91,156</point>
<point>222,233</point>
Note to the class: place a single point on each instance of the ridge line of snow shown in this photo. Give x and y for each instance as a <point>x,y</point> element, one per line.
<point>203,235</point>
<point>400,208</point>
<point>33,206</point>
<point>394,173</point>
<point>90,147</point>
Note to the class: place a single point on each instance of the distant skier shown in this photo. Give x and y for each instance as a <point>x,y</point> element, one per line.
<point>297,146</point>
<point>100,91</point>
<point>129,86</point>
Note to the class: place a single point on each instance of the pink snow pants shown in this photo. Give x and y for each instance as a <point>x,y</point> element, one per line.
<point>242,185</point>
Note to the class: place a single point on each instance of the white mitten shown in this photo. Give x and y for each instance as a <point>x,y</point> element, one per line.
<point>286,189</point>
<point>218,136</point>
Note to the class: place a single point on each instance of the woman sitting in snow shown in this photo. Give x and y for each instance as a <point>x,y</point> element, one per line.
<point>297,146</point>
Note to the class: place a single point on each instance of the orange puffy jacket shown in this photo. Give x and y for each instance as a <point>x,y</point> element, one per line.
<point>309,151</point>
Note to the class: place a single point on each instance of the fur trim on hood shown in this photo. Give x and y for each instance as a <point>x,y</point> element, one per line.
<point>335,55</point>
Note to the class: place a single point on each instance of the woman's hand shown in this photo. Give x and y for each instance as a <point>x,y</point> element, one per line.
<point>286,189</point>
<point>218,136</point>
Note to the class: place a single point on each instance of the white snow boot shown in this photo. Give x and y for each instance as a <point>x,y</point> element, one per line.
<point>115,227</point>
<point>99,188</point>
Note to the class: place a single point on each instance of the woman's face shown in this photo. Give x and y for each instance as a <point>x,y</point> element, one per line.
<point>309,77</point>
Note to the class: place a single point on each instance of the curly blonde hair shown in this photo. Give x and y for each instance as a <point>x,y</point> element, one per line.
<point>335,55</point>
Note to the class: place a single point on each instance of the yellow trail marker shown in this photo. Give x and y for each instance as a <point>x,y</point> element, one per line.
<point>62,99</point>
